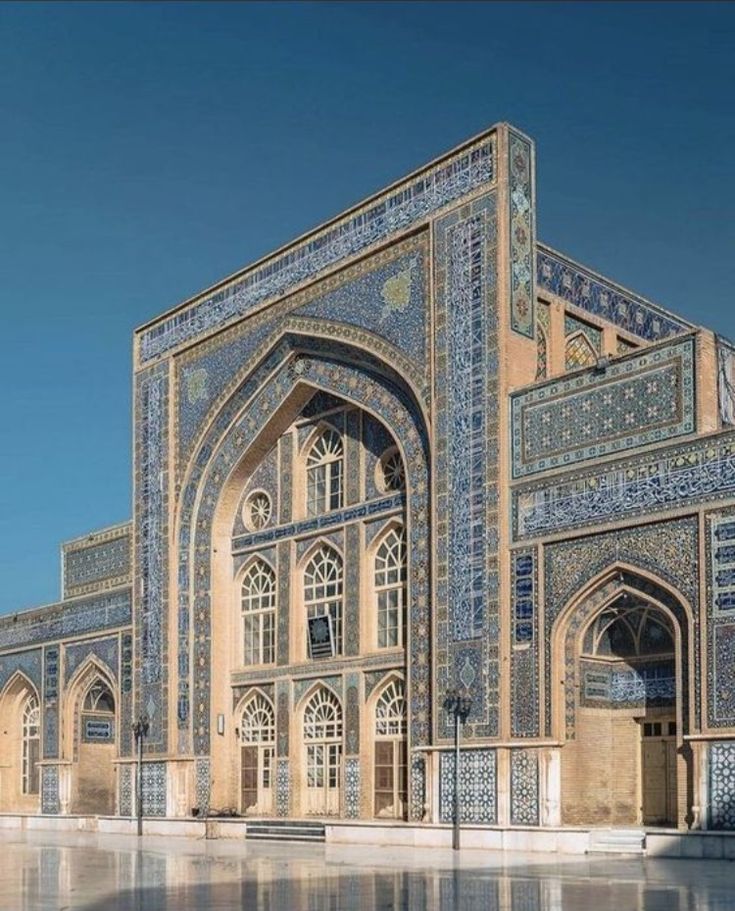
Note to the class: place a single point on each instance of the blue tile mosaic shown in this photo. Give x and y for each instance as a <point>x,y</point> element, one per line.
<point>28,663</point>
<point>413,201</point>
<point>524,647</point>
<point>106,650</point>
<point>51,669</point>
<point>50,802</point>
<point>151,446</point>
<point>99,562</point>
<point>599,296</point>
<point>154,788</point>
<point>722,785</point>
<point>477,786</point>
<point>644,399</point>
<point>524,788</point>
<point>720,582</point>
<point>384,295</point>
<point>699,472</point>
<point>66,620</point>
<point>467,451</point>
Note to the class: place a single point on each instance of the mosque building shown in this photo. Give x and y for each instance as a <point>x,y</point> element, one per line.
<point>414,451</point>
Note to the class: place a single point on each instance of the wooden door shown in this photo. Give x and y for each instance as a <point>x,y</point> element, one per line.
<point>658,772</point>
<point>323,778</point>
<point>248,780</point>
<point>390,779</point>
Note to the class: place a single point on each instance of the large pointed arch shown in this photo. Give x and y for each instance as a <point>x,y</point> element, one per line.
<point>588,602</point>
<point>238,436</point>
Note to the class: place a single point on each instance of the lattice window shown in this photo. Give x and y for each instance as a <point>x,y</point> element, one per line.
<point>579,352</point>
<point>324,474</point>
<point>258,603</point>
<point>390,710</point>
<point>99,698</point>
<point>392,474</point>
<point>390,589</point>
<point>31,745</point>
<point>323,585</point>
<point>257,510</point>
<point>258,721</point>
<point>323,716</point>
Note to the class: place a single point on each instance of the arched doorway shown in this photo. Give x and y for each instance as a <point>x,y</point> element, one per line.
<point>623,648</point>
<point>20,746</point>
<point>322,729</point>
<point>257,756</point>
<point>390,766</point>
<point>94,736</point>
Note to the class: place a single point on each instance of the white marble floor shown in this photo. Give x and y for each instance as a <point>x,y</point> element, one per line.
<point>62,872</point>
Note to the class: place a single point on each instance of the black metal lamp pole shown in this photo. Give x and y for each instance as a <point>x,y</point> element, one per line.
<point>459,705</point>
<point>140,730</point>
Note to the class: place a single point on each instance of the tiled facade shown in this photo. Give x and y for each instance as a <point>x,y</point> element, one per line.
<point>562,497</point>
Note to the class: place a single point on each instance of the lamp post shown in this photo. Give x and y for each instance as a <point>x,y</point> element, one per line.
<point>140,730</point>
<point>459,705</point>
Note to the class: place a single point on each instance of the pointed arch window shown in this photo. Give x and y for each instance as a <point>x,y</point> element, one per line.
<point>390,710</point>
<point>323,586</point>
<point>258,722</point>
<point>390,589</point>
<point>99,699</point>
<point>31,739</point>
<point>324,473</point>
<point>258,605</point>
<point>323,716</point>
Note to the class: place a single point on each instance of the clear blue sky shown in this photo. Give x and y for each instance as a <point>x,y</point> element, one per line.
<point>150,149</point>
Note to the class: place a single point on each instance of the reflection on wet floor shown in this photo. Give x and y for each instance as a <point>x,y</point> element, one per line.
<point>51,872</point>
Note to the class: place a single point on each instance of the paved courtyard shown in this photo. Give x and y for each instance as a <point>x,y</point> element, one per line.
<point>54,872</point>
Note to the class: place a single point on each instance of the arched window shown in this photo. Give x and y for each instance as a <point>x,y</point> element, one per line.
<point>31,745</point>
<point>323,590</point>
<point>324,471</point>
<point>258,604</point>
<point>323,716</point>
<point>390,589</point>
<point>390,710</point>
<point>391,473</point>
<point>258,723</point>
<point>99,698</point>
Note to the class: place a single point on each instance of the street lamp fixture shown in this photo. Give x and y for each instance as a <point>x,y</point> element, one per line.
<point>140,731</point>
<point>457,704</point>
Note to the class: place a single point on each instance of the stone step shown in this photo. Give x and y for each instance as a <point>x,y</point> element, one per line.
<point>617,841</point>
<point>286,830</point>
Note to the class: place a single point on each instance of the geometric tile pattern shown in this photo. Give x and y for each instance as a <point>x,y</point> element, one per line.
<point>524,799</point>
<point>466,461</point>
<point>698,472</point>
<point>97,562</point>
<point>154,788</point>
<point>352,787</point>
<point>432,189</point>
<point>202,784</point>
<point>28,663</point>
<point>105,650</point>
<point>477,786</point>
<point>524,645</point>
<point>283,787</point>
<point>722,557</point>
<point>579,286</point>
<point>722,785</point>
<point>50,803</point>
<point>522,235</point>
<point>633,403</point>
<point>125,797</point>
